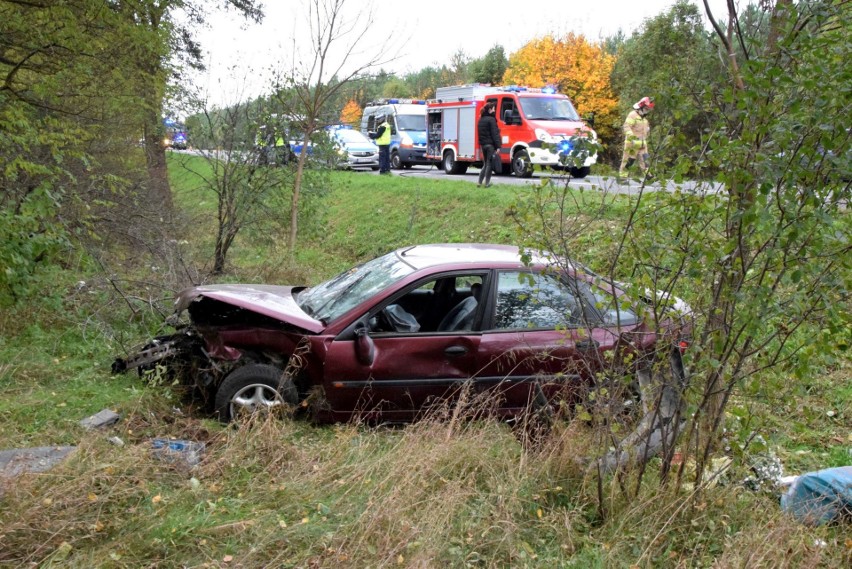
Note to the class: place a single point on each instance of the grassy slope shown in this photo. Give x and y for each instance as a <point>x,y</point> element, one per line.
<point>284,493</point>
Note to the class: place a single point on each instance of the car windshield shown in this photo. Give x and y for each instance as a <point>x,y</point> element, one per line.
<point>333,298</point>
<point>548,109</point>
<point>411,122</point>
<point>348,135</point>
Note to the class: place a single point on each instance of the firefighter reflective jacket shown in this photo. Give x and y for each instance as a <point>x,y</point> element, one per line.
<point>636,130</point>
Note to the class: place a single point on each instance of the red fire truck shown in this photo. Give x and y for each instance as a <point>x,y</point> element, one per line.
<point>539,127</point>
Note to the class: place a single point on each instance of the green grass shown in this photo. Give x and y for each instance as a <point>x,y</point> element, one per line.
<point>285,493</point>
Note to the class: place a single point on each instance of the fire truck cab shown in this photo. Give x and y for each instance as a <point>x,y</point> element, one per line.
<point>539,127</point>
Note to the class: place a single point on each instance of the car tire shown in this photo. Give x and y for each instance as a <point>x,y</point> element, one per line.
<point>522,165</point>
<point>451,165</point>
<point>396,161</point>
<point>580,173</point>
<point>251,388</point>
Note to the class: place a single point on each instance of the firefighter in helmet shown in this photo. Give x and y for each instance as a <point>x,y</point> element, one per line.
<point>636,130</point>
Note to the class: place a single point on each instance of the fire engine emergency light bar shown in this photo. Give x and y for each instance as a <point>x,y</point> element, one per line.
<point>476,91</point>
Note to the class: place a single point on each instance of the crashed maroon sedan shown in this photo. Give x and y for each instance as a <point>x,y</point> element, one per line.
<point>393,337</point>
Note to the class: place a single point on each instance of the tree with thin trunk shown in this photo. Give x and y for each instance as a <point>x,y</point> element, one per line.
<point>760,248</point>
<point>337,57</point>
<point>246,189</point>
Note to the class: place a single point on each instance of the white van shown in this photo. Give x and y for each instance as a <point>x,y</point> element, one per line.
<point>408,129</point>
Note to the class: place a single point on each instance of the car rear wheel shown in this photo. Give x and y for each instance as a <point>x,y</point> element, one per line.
<point>254,388</point>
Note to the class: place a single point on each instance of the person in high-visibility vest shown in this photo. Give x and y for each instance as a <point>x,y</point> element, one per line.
<point>636,130</point>
<point>383,140</point>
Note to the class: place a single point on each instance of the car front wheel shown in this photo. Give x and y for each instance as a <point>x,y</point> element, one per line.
<point>396,161</point>
<point>254,388</point>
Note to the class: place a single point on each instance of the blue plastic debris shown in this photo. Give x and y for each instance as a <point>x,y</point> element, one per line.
<point>820,497</point>
<point>188,452</point>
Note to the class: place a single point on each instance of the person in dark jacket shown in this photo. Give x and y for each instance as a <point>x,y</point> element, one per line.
<point>489,141</point>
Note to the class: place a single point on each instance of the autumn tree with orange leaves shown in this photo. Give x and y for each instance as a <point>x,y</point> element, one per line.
<point>577,68</point>
<point>351,113</point>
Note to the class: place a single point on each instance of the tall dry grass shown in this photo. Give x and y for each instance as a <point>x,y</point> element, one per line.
<point>447,491</point>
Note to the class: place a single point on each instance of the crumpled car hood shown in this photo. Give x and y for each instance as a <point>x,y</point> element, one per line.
<point>269,300</point>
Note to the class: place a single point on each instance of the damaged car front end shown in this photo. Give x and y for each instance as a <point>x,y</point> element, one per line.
<point>228,326</point>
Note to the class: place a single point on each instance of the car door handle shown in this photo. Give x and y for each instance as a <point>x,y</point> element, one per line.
<point>587,345</point>
<point>454,351</point>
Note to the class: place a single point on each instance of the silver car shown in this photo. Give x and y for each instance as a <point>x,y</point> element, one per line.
<point>353,149</point>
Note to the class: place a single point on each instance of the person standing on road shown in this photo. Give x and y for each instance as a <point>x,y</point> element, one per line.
<point>383,140</point>
<point>636,130</point>
<point>489,141</point>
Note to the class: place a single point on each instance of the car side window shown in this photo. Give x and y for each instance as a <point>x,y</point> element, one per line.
<point>528,300</point>
<point>445,304</point>
<point>506,105</point>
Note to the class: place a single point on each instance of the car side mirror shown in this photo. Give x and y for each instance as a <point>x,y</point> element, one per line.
<point>590,119</point>
<point>365,349</point>
<point>512,116</point>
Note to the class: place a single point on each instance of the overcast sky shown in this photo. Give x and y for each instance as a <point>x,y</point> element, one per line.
<point>415,34</point>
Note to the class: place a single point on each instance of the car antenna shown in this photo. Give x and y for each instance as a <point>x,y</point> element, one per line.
<point>404,251</point>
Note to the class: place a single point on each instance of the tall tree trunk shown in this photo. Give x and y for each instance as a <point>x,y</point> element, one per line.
<point>159,191</point>
<point>148,15</point>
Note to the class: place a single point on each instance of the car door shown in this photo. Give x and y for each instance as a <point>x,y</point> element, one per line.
<point>414,365</point>
<point>540,337</point>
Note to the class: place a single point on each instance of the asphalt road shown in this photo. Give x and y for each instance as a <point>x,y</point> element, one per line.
<point>603,184</point>
<point>596,183</point>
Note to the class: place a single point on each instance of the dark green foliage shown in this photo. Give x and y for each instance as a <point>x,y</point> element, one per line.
<point>489,69</point>
<point>673,60</point>
<point>60,114</point>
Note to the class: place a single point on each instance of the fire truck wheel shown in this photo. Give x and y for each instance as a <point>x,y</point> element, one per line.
<point>451,166</point>
<point>580,172</point>
<point>521,165</point>
<point>396,161</point>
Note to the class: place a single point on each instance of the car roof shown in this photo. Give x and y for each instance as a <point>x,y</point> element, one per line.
<point>430,255</point>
